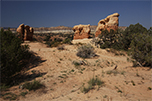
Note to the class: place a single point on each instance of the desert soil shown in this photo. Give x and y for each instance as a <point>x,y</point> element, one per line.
<point>64,81</point>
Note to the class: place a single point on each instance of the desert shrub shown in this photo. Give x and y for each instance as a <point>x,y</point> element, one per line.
<point>140,49</point>
<point>95,81</point>
<point>77,63</point>
<point>129,32</point>
<point>67,41</point>
<point>58,39</point>
<point>149,88</point>
<point>61,47</point>
<point>120,39</point>
<point>47,38</point>
<point>70,36</point>
<point>34,39</point>
<point>33,85</point>
<point>110,39</point>
<point>91,84</point>
<point>3,87</point>
<point>86,51</point>
<point>57,42</point>
<point>97,42</point>
<point>54,44</point>
<point>13,55</point>
<point>149,31</point>
<point>137,39</point>
<point>23,93</point>
<point>9,96</point>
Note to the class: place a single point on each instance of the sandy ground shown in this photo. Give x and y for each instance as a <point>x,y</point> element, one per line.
<point>64,80</point>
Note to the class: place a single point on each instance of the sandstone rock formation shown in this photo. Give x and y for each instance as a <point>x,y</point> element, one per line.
<point>31,33</point>
<point>81,31</point>
<point>110,22</point>
<point>26,32</point>
<point>20,30</point>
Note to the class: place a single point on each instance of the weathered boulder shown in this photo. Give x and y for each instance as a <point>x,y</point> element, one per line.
<point>81,31</point>
<point>110,22</point>
<point>26,32</point>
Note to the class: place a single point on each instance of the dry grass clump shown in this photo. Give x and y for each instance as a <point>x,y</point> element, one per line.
<point>33,85</point>
<point>61,47</point>
<point>91,84</point>
<point>86,51</point>
<point>116,52</point>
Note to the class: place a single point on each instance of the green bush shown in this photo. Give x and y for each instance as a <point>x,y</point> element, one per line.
<point>129,32</point>
<point>110,39</point>
<point>120,39</point>
<point>12,55</point>
<point>140,49</point>
<point>86,51</point>
<point>150,31</point>
<point>139,40</point>
<point>67,41</point>
<point>136,39</point>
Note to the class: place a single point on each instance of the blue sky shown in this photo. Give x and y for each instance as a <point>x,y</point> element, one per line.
<point>69,13</point>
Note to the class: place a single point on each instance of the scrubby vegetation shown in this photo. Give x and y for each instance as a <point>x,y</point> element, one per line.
<point>109,39</point>
<point>57,41</point>
<point>91,84</point>
<point>128,34</point>
<point>140,49</point>
<point>86,51</point>
<point>54,40</point>
<point>9,96</point>
<point>66,68</point>
<point>61,47</point>
<point>33,85</point>
<point>135,39</point>
<point>13,56</point>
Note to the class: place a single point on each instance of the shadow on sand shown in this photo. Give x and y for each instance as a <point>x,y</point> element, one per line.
<point>32,62</point>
